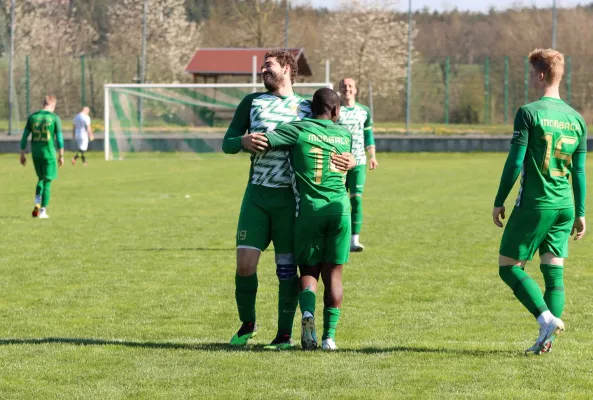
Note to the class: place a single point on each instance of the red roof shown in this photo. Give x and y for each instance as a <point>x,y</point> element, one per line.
<point>235,61</point>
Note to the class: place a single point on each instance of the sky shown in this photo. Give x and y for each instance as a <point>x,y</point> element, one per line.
<point>462,5</point>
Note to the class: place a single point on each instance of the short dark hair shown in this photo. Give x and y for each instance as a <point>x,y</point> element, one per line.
<point>284,57</point>
<point>324,100</point>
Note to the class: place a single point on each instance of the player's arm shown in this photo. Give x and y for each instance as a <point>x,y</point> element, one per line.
<point>234,141</point>
<point>285,135</point>
<point>369,141</point>
<point>59,140</point>
<point>513,165</point>
<point>89,129</point>
<point>74,128</point>
<point>579,187</point>
<point>24,139</point>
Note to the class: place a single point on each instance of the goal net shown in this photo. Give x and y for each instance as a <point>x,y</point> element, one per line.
<point>174,117</point>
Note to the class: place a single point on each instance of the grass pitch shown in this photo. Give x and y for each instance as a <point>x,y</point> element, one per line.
<point>128,290</point>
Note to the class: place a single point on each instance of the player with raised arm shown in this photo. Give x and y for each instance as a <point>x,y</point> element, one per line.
<point>549,144</point>
<point>45,129</point>
<point>322,225</point>
<point>267,210</point>
<point>357,119</point>
<point>81,133</point>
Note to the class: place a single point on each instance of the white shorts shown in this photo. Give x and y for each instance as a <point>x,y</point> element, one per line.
<point>82,143</point>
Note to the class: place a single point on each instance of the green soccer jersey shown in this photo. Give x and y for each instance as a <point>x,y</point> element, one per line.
<point>552,131</point>
<point>358,121</point>
<point>261,113</point>
<point>45,127</point>
<point>319,186</point>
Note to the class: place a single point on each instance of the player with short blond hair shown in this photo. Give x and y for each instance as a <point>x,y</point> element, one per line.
<point>45,129</point>
<point>549,144</point>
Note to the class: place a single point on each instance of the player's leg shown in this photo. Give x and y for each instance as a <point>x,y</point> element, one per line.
<point>355,183</point>
<point>40,172</point>
<point>337,249</point>
<point>307,301</point>
<point>50,172</point>
<point>332,303</point>
<point>282,234</point>
<point>83,158</point>
<point>523,235</point>
<point>252,238</point>
<point>308,251</point>
<point>553,251</point>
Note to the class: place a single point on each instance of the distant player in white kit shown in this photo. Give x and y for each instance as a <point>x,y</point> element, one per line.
<point>82,132</point>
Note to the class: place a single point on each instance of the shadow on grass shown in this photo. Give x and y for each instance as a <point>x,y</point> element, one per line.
<point>183,249</point>
<point>251,348</point>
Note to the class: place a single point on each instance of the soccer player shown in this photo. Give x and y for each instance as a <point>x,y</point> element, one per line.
<point>82,132</point>
<point>45,127</point>
<point>267,210</point>
<point>322,226</point>
<point>549,144</point>
<point>357,119</point>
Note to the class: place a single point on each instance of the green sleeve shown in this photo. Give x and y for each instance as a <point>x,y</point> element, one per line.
<point>231,144</point>
<point>284,135</point>
<point>369,140</point>
<point>58,133</point>
<point>510,172</point>
<point>26,133</point>
<point>582,147</point>
<point>523,122</point>
<point>579,181</point>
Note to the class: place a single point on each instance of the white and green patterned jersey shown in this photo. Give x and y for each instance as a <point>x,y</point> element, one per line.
<point>261,113</point>
<point>359,122</point>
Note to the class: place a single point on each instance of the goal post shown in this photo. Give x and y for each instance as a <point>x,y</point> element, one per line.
<point>139,117</point>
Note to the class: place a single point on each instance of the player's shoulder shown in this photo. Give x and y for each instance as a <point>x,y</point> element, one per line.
<point>363,107</point>
<point>338,129</point>
<point>255,95</point>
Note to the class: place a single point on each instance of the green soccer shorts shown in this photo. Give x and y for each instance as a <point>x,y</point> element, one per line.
<point>322,239</point>
<point>529,230</point>
<point>355,179</point>
<point>46,169</point>
<point>267,215</point>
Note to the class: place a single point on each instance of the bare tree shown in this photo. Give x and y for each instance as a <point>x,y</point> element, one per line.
<point>369,44</point>
<point>171,37</point>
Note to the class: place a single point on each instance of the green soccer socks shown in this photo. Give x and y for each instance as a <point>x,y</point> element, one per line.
<point>331,316</point>
<point>307,301</point>
<point>356,214</point>
<point>524,288</point>
<point>554,295</point>
<point>245,294</point>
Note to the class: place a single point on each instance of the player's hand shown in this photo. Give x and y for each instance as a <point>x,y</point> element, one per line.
<point>373,163</point>
<point>344,161</point>
<point>496,213</point>
<point>61,161</point>
<point>579,228</point>
<point>91,137</point>
<point>23,160</point>
<point>254,142</point>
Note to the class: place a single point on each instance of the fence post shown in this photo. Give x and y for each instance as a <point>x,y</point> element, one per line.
<point>83,94</point>
<point>447,66</point>
<point>568,80</point>
<point>487,90</point>
<point>139,99</point>
<point>525,80</point>
<point>506,89</point>
<point>27,86</point>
